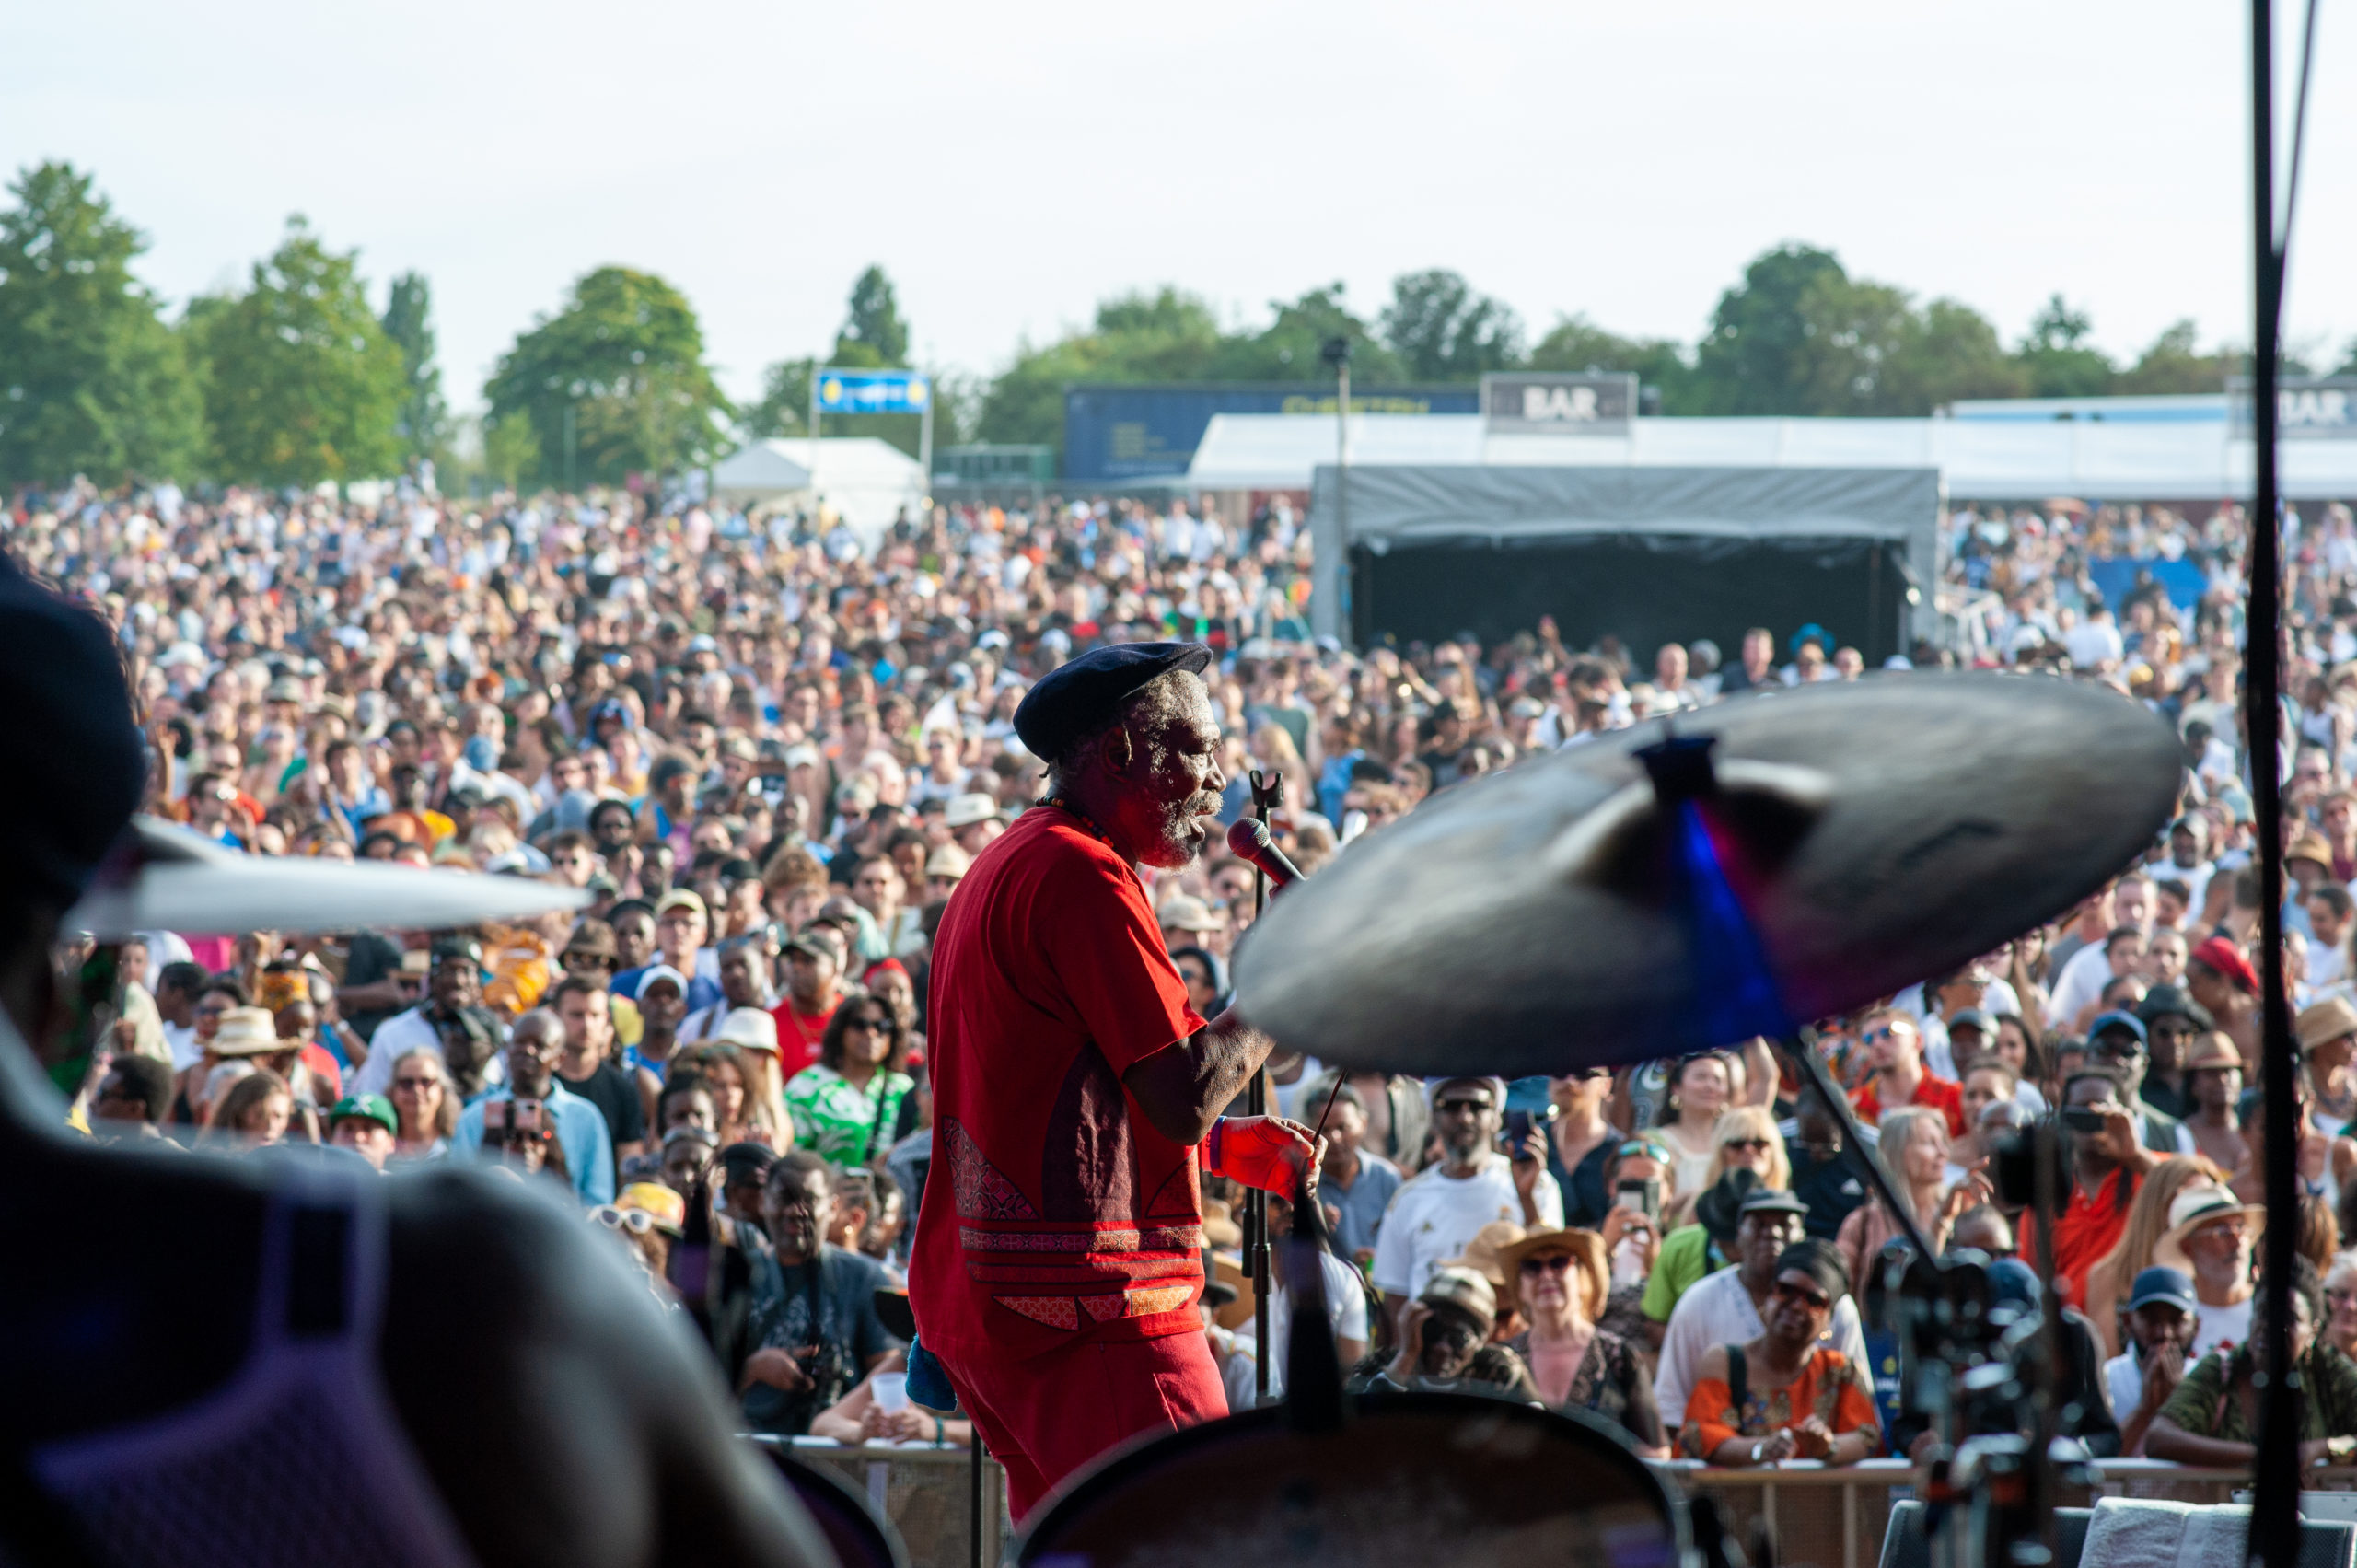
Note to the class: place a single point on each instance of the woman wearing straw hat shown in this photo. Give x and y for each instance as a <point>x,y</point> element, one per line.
<point>1560,1279</point>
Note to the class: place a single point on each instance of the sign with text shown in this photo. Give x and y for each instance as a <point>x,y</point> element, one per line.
<point>2308,408</point>
<point>873,391</point>
<point>1532,404</point>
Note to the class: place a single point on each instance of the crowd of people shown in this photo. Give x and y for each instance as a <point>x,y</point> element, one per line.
<point>766,751</point>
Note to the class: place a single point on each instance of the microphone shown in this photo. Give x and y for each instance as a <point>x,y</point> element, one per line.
<point>1248,842</point>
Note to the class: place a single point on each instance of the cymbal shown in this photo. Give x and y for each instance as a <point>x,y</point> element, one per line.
<point>1620,900</point>
<point>165,878</point>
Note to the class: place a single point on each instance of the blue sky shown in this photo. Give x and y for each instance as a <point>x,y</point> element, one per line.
<point>1010,165</point>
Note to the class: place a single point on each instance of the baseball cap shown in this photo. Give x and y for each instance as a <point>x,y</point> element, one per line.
<point>1973,1018</point>
<point>2219,954</point>
<point>1465,1289</point>
<point>653,972</point>
<point>1182,912</point>
<point>2157,1284</point>
<point>670,1210</point>
<point>2115,1020</point>
<point>743,1162</point>
<point>376,1108</point>
<point>820,941</point>
<point>682,899</point>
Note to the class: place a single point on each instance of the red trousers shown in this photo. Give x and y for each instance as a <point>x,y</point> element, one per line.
<point>1048,1417</point>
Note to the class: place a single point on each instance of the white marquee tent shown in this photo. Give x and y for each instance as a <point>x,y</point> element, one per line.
<point>1992,461</point>
<point>869,484</point>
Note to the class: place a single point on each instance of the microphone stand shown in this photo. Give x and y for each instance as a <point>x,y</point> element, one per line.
<point>1267,794</point>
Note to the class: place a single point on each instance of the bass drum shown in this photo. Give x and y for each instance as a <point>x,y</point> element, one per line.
<point>859,1538</point>
<point>1413,1480</point>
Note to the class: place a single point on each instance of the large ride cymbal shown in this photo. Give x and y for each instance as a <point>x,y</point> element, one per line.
<point>164,877</point>
<point>1841,842</point>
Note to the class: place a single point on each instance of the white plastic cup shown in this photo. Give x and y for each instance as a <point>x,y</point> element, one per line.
<point>891,1391</point>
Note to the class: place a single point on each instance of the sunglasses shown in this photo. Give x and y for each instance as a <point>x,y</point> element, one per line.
<point>421,1084</point>
<point>869,1024</point>
<point>638,1222</point>
<point>1807,1298</point>
<point>1553,1263</point>
<point>1754,1143</point>
<point>1464,1106</point>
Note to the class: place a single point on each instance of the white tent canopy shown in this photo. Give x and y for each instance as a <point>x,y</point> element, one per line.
<point>2098,461</point>
<point>868,483</point>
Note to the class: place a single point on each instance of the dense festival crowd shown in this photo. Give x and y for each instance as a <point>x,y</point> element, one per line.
<point>767,750</point>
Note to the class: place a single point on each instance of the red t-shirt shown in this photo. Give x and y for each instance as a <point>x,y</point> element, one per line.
<point>1054,1214</point>
<point>2090,1227</point>
<point>798,1034</point>
<point>1939,1093</point>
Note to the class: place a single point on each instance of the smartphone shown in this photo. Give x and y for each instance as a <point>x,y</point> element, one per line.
<point>2079,1119</point>
<point>1644,1196</point>
<point>1519,1124</point>
<point>519,1121</point>
<point>416,961</point>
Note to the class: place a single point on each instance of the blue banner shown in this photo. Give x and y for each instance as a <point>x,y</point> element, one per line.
<point>1151,429</point>
<point>873,391</point>
<point>2116,576</point>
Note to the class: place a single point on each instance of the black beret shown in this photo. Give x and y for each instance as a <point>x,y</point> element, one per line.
<point>72,759</point>
<point>1080,694</point>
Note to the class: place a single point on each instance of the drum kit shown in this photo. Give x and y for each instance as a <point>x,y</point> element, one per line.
<point>1678,887</point>
<point>1674,887</point>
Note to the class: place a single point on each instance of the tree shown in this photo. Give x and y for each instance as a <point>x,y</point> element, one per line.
<point>2055,357</point>
<point>2175,364</point>
<point>874,336</point>
<point>1443,331</point>
<point>1951,350</point>
<point>1575,343</point>
<point>613,384</point>
<point>1757,358</point>
<point>92,380</point>
<point>1163,336</point>
<point>301,382</point>
<point>423,422</point>
<point>1292,348</point>
<point>783,407</point>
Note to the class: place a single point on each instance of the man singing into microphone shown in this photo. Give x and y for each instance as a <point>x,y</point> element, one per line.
<point>1059,1248</point>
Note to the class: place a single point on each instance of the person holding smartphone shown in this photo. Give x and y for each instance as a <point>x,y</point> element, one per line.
<point>2108,1162</point>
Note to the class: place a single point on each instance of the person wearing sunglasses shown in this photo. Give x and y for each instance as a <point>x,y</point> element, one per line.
<point>1562,1281</point>
<point>1897,1075</point>
<point>1780,1394</point>
<point>849,1107</point>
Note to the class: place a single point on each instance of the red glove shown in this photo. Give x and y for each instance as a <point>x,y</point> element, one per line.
<point>1267,1152</point>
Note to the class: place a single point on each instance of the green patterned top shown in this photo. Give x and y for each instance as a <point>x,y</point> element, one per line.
<point>842,1125</point>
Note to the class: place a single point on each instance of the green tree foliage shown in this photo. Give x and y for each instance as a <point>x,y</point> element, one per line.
<point>423,422</point>
<point>1163,336</point>
<point>301,382</point>
<point>1575,345</point>
<point>2057,356</point>
<point>1757,358</point>
<point>783,407</point>
<point>874,336</point>
<point>1292,348</point>
<point>625,357</point>
<point>92,382</point>
<point>2175,364</point>
<point>1443,331</point>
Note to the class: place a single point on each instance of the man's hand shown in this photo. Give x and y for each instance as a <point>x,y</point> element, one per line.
<point>1631,1222</point>
<point>778,1369</point>
<point>1269,1152</point>
<point>1530,1162</point>
<point>2163,1371</point>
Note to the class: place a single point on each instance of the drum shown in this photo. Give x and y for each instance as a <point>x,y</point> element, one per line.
<point>1415,1480</point>
<point>860,1540</point>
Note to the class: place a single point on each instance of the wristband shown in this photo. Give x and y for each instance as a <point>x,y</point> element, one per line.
<point>1214,1141</point>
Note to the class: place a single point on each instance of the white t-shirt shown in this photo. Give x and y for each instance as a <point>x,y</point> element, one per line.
<point>2081,982</point>
<point>2220,1326</point>
<point>181,1039</point>
<point>1718,1311</point>
<point>2123,1386</point>
<point>1433,1217</point>
<point>1345,1309</point>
